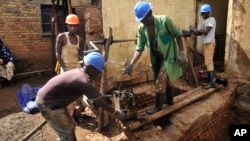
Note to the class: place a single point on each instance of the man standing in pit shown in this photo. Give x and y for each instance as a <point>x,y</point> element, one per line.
<point>158,33</point>
<point>207,33</point>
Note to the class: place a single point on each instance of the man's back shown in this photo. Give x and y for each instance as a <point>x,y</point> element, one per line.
<point>63,89</point>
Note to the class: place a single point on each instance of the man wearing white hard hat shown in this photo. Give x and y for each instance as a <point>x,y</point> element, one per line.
<point>158,33</point>
<point>207,33</point>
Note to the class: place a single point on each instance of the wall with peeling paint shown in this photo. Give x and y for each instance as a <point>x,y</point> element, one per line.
<point>119,16</point>
<point>237,44</point>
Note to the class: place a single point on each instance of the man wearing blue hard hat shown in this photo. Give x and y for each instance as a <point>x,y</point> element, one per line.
<point>207,33</point>
<point>158,33</point>
<point>52,99</point>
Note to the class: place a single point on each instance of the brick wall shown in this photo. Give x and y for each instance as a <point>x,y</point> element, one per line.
<point>21,31</point>
<point>205,120</point>
<point>210,128</point>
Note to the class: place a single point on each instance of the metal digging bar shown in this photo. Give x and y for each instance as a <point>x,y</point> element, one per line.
<point>33,131</point>
<point>92,43</point>
<point>106,42</point>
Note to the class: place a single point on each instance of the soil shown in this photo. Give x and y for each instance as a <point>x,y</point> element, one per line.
<point>15,123</point>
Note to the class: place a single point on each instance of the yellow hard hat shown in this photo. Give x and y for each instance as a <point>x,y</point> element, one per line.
<point>72,19</point>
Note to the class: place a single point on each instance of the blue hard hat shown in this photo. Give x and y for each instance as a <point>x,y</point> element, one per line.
<point>141,10</point>
<point>205,8</point>
<point>95,59</point>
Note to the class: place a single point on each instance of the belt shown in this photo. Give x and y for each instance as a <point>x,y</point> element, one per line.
<point>50,106</point>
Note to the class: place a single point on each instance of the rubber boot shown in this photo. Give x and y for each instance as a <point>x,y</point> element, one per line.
<point>169,95</point>
<point>158,104</point>
<point>212,82</point>
<point>208,78</point>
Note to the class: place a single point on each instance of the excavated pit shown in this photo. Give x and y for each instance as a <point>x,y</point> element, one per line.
<point>205,119</point>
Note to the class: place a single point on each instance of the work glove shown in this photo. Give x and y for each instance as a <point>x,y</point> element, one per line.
<point>120,114</point>
<point>186,33</point>
<point>128,68</point>
<point>192,28</point>
<point>182,58</point>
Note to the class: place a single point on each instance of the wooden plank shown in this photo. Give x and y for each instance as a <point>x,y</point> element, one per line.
<point>190,62</point>
<point>188,93</point>
<point>104,79</point>
<point>34,130</point>
<point>69,6</point>
<point>32,72</point>
<point>176,98</point>
<point>191,97</point>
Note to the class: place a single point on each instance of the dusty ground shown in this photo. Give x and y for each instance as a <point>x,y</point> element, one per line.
<point>15,123</point>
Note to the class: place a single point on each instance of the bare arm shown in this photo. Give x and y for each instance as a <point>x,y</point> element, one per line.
<point>59,44</point>
<point>180,43</point>
<point>202,31</point>
<point>103,104</point>
<point>136,57</point>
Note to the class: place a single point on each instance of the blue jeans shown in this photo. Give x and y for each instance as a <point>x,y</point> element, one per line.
<point>59,119</point>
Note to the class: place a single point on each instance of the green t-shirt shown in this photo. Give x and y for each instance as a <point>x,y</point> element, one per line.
<point>166,31</point>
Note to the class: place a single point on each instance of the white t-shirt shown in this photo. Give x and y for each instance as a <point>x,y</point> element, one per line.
<point>210,37</point>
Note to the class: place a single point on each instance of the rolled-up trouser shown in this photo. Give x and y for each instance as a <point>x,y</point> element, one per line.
<point>209,55</point>
<point>163,88</point>
<point>161,81</point>
<point>160,87</point>
<point>59,119</point>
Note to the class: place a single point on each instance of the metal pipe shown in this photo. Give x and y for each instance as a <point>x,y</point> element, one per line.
<point>96,49</point>
<point>123,40</point>
<point>93,45</point>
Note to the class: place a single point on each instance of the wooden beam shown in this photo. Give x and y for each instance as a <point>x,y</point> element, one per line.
<point>190,97</point>
<point>34,130</point>
<point>69,6</point>
<point>190,62</point>
<point>103,87</point>
<point>54,30</point>
<point>32,72</point>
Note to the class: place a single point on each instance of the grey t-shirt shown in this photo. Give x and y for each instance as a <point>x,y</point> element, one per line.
<point>210,37</point>
<point>64,88</point>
